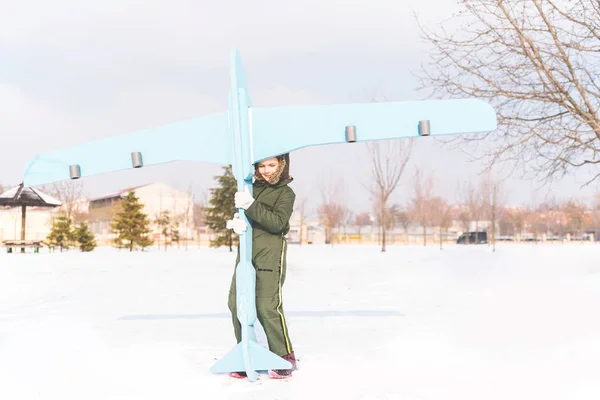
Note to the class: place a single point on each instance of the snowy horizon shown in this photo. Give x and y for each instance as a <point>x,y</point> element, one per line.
<point>411,323</point>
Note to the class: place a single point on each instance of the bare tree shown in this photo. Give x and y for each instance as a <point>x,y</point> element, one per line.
<point>200,203</point>
<point>331,216</point>
<point>518,218</point>
<point>421,202</point>
<point>348,218</point>
<point>505,227</point>
<point>575,211</point>
<point>331,211</point>
<point>596,216</point>
<point>441,215</point>
<point>550,216</point>
<point>388,163</point>
<point>544,218</point>
<point>535,62</point>
<point>301,210</point>
<point>405,218</point>
<point>475,202</point>
<point>176,220</point>
<point>70,194</point>
<point>390,219</point>
<point>493,198</point>
<point>199,219</point>
<point>200,209</point>
<point>463,215</point>
<point>471,209</point>
<point>187,217</point>
<point>361,220</point>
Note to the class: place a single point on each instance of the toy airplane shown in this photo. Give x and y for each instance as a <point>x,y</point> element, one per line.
<point>245,135</point>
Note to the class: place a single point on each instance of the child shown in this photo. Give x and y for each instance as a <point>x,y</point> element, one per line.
<point>269,212</point>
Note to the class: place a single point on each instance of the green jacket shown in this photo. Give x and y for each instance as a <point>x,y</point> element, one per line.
<point>269,216</point>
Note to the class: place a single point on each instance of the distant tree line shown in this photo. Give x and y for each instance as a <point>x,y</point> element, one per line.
<point>479,206</point>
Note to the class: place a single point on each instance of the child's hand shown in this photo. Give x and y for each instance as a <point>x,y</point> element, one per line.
<point>243,199</point>
<point>238,225</point>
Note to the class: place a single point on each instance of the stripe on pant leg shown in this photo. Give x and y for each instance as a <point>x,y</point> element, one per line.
<point>283,324</point>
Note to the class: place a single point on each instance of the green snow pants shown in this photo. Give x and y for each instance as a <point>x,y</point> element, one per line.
<point>269,307</point>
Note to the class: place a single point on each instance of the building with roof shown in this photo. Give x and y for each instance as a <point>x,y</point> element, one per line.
<point>156,198</point>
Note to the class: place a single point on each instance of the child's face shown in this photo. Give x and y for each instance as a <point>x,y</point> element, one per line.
<point>268,167</point>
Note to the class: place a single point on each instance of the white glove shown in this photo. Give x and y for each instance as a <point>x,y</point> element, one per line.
<point>243,199</point>
<point>238,225</point>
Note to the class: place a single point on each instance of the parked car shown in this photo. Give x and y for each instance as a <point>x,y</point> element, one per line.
<point>481,238</point>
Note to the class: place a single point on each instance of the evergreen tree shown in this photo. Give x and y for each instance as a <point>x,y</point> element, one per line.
<point>85,238</point>
<point>163,220</point>
<point>222,208</point>
<point>174,232</point>
<point>61,234</point>
<point>131,224</point>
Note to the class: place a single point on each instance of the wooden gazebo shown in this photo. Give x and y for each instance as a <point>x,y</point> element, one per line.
<point>25,197</point>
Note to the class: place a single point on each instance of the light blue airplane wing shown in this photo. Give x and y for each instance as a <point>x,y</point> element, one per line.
<point>283,129</point>
<point>205,139</point>
<point>275,131</point>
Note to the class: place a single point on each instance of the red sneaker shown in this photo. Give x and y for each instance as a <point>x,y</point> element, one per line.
<point>238,375</point>
<point>284,373</point>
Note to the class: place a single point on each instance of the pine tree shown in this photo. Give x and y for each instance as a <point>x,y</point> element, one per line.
<point>85,238</point>
<point>163,221</point>
<point>174,234</point>
<point>131,224</point>
<point>61,234</point>
<point>222,208</point>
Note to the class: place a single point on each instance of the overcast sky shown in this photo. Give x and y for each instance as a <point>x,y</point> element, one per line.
<point>71,72</point>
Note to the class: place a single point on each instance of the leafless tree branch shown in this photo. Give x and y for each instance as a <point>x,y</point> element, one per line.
<point>388,161</point>
<point>537,62</point>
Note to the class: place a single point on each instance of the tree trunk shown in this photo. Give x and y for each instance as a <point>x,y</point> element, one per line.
<point>493,229</point>
<point>23,224</point>
<point>383,223</point>
<point>301,228</point>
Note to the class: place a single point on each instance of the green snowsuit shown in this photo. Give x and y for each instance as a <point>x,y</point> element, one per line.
<point>269,216</point>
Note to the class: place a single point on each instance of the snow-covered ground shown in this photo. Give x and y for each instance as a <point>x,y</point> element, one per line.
<point>412,323</point>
